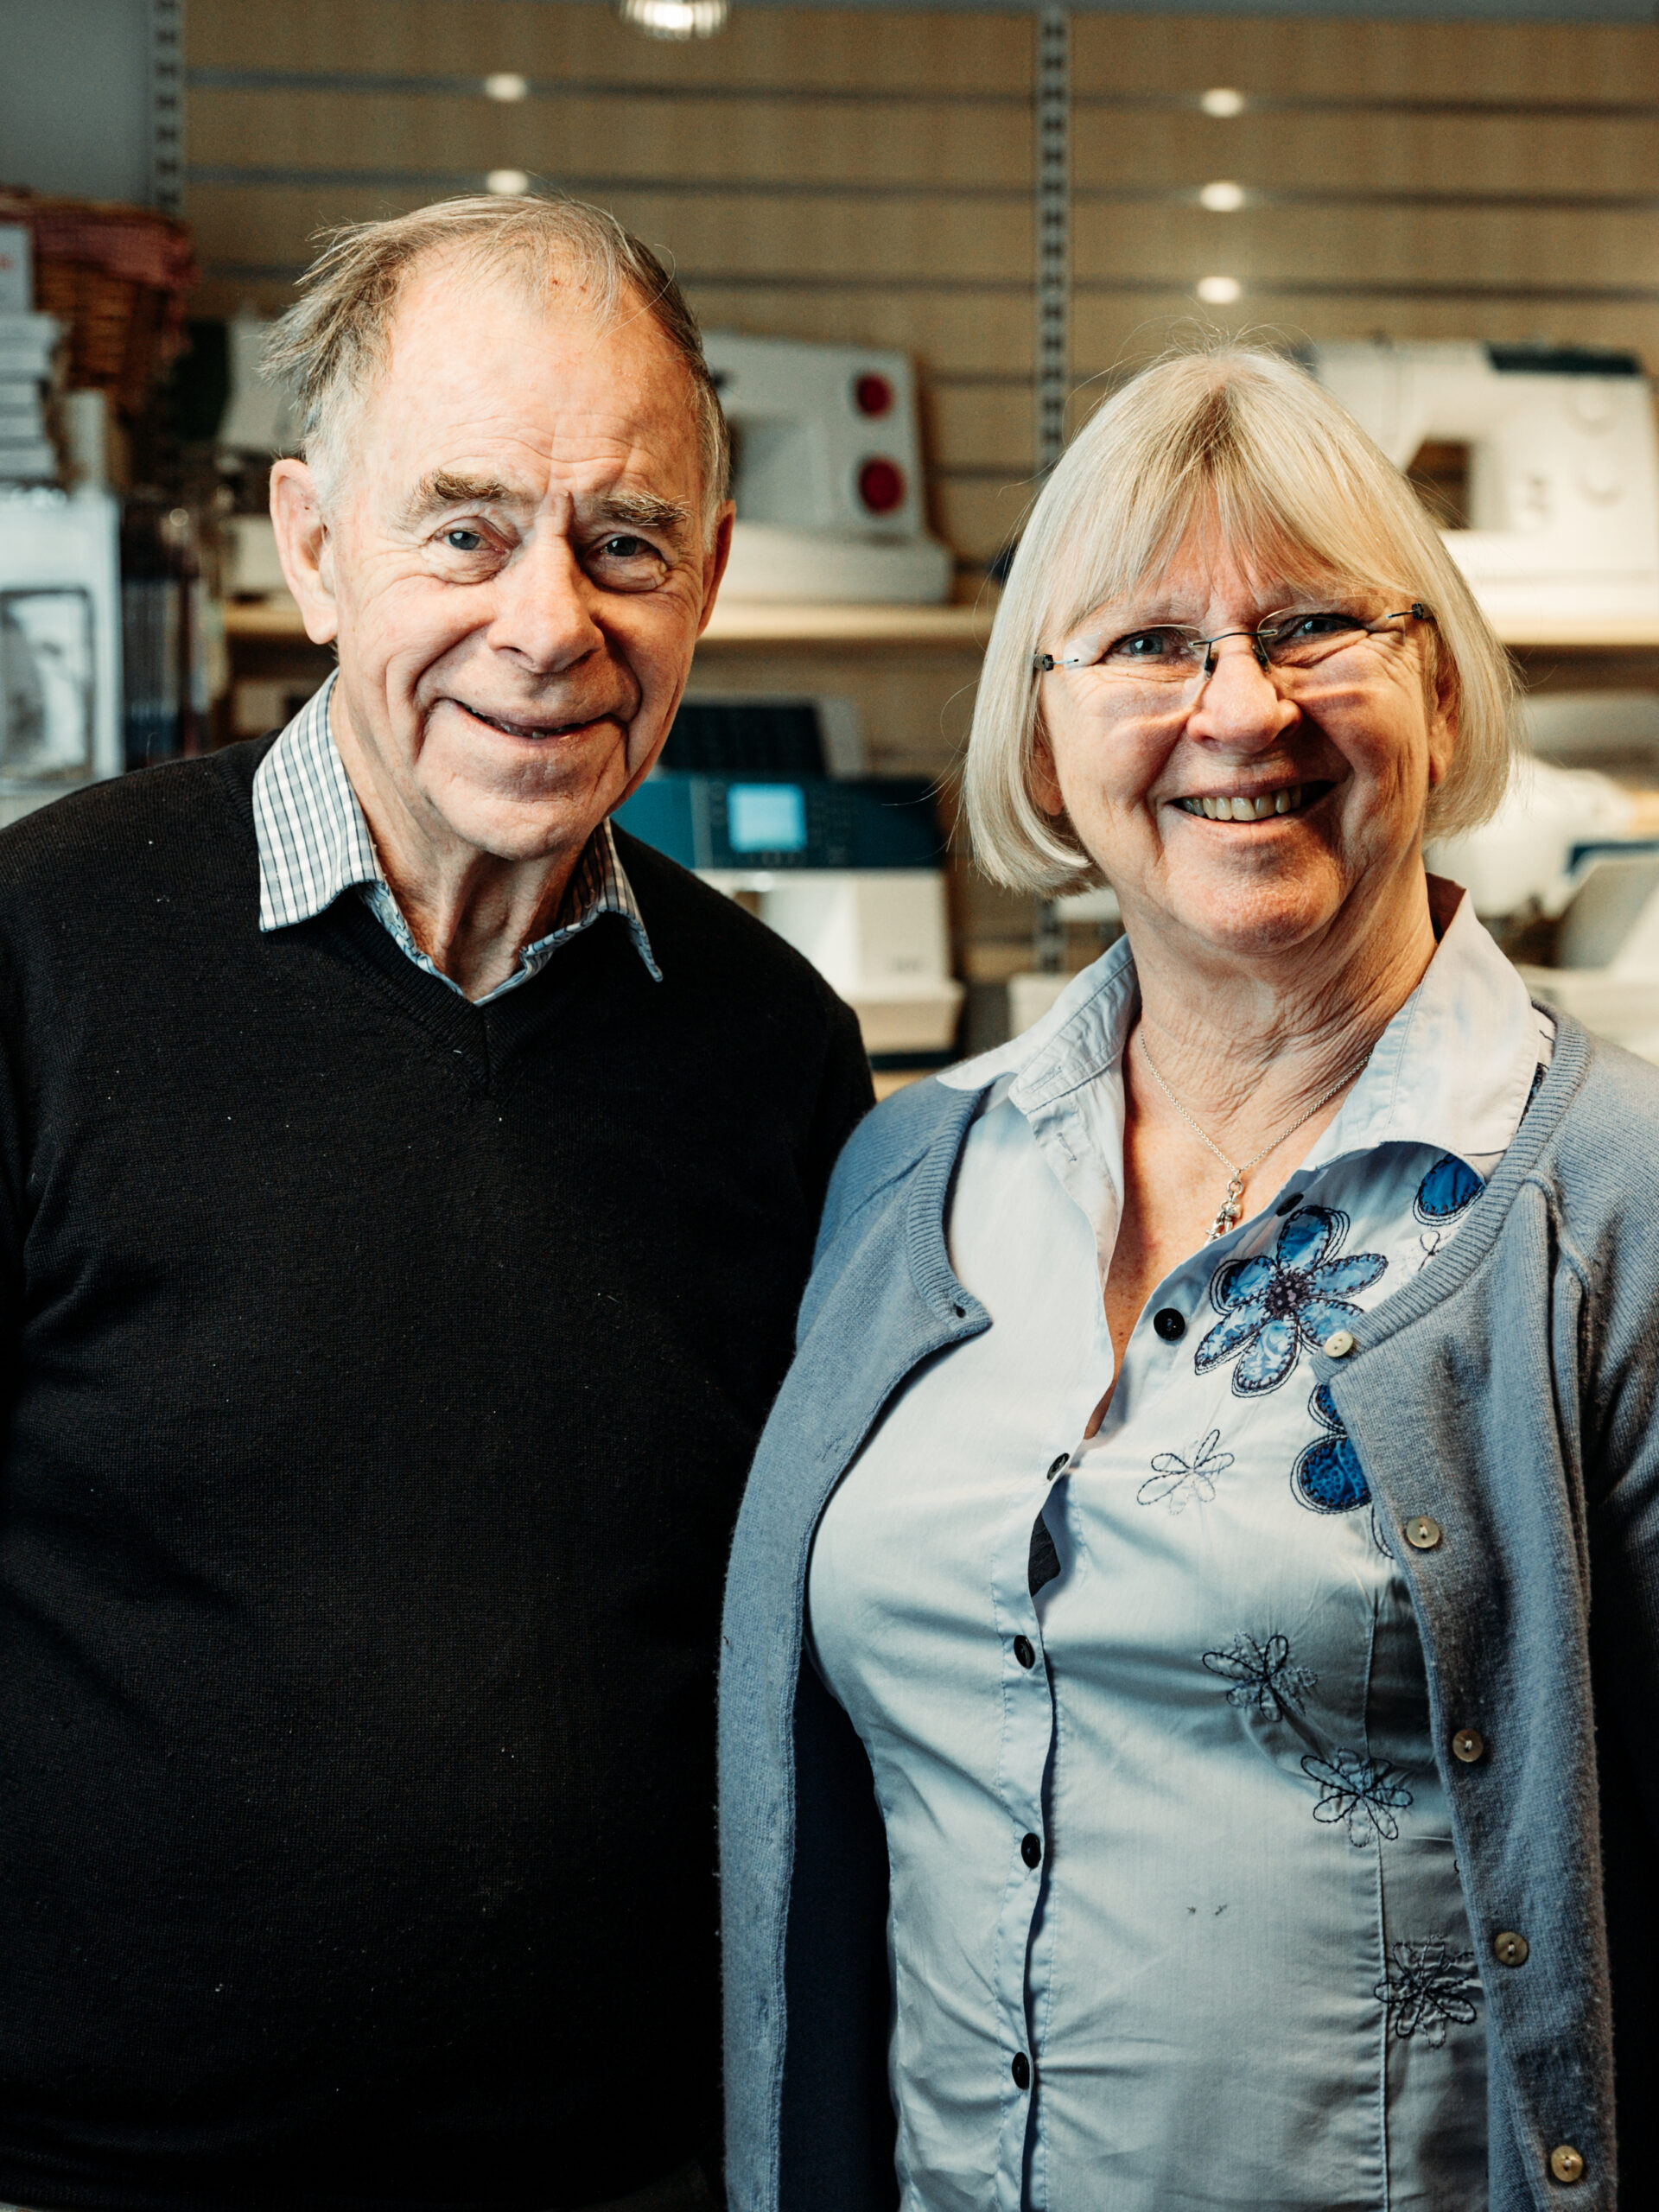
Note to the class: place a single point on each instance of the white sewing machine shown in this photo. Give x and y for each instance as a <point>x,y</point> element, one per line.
<point>828,473</point>
<point>1563,473</point>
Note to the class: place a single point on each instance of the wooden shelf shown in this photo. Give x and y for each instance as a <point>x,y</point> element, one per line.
<point>1583,637</point>
<point>740,623</point>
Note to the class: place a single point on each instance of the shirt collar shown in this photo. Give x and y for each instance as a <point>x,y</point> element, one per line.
<point>315,844</point>
<point>1453,1069</point>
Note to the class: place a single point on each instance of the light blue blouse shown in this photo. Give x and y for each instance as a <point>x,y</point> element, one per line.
<point>1175,1920</point>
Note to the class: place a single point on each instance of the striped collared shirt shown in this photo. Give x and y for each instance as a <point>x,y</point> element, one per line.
<point>315,844</point>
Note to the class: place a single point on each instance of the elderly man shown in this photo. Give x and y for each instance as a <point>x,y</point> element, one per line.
<point>406,1187</point>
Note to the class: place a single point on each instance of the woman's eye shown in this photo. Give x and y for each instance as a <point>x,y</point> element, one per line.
<point>1144,644</point>
<point>461,540</point>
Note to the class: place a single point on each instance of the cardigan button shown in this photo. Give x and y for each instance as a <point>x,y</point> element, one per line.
<point>1338,1343</point>
<point>1468,1744</point>
<point>1423,1534</point>
<point>1512,1950</point>
<point>1566,2164</point>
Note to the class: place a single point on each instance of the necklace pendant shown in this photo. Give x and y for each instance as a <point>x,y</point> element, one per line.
<point>1227,1217</point>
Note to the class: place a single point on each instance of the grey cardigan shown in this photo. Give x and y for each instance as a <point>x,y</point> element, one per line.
<point>1508,1392</point>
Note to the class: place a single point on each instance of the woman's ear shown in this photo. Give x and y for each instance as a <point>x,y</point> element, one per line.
<point>1045,784</point>
<point>1442,731</point>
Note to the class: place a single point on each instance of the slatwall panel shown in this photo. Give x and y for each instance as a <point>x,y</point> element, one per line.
<point>867,176</point>
<point>829,175</point>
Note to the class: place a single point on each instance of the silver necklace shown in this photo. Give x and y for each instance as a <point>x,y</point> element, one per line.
<point>1231,1207</point>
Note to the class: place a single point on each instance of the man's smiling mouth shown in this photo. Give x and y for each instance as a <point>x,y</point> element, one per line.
<point>1256,806</point>
<point>533,729</point>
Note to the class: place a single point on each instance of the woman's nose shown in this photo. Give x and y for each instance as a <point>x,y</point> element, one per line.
<point>1239,702</point>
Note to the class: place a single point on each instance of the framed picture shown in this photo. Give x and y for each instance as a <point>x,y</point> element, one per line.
<point>59,643</point>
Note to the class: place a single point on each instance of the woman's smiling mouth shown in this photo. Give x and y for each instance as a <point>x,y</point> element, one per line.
<point>1256,806</point>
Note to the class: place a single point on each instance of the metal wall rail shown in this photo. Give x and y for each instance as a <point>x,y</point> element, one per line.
<point>293,174</point>
<point>452,86</point>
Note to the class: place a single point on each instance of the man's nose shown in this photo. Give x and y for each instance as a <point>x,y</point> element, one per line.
<point>1240,703</point>
<point>544,606</point>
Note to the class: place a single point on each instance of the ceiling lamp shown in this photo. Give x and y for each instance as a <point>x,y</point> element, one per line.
<point>675,18</point>
<point>1219,291</point>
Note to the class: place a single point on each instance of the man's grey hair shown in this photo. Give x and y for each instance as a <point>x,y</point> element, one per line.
<point>334,343</point>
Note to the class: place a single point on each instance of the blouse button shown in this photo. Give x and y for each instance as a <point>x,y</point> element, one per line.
<point>1021,2070</point>
<point>1337,1344</point>
<point>1169,1324</point>
<point>1468,1744</point>
<point>1566,2164</point>
<point>1030,1850</point>
<point>1512,1950</point>
<point>1422,1533</point>
<point>1023,1652</point>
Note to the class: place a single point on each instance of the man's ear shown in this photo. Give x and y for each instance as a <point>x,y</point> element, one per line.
<point>305,548</point>
<point>714,561</point>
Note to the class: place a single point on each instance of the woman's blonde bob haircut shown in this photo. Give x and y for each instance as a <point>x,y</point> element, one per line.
<point>1241,437</point>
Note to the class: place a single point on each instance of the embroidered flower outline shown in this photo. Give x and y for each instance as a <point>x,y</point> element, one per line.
<point>1174,1480</point>
<point>1262,1675</point>
<point>1431,1986</point>
<point>1362,1794</point>
<point>1277,1302</point>
<point>1328,1477</point>
<point>1449,1188</point>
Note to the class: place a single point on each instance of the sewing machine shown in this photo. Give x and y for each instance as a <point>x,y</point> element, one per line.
<point>1568,870</point>
<point>766,799</point>
<point>1562,467</point>
<point>827,473</point>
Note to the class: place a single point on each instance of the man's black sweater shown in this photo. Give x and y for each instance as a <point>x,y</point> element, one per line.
<point>384,1374</point>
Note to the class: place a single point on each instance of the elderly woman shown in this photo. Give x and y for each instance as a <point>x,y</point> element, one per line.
<point>1167,1763</point>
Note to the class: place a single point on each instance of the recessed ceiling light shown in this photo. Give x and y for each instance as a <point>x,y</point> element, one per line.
<point>506,85</point>
<point>1224,197</point>
<point>676,18</point>
<point>1222,99</point>
<point>507,182</point>
<point>1219,291</point>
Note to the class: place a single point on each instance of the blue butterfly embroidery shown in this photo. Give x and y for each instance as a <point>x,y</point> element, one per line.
<point>1328,1477</point>
<point>1443,1193</point>
<point>1277,1302</point>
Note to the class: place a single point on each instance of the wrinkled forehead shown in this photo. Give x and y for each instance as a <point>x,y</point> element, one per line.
<point>505,354</point>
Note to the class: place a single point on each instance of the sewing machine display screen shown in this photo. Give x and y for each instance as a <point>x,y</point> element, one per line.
<point>765,819</point>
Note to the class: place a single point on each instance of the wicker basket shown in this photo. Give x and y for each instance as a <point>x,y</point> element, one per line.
<point>117,278</point>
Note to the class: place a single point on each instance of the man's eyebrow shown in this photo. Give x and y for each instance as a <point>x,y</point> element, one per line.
<point>445,487</point>
<point>641,510</point>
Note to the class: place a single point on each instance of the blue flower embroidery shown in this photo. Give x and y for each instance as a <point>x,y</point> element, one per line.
<point>1328,1477</point>
<point>1443,1193</point>
<point>1279,1301</point>
<point>1363,1794</point>
<point>1262,1675</point>
<point>1431,1986</point>
<point>1173,1480</point>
